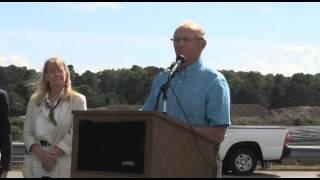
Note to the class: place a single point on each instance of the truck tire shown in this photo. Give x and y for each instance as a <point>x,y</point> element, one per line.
<point>242,161</point>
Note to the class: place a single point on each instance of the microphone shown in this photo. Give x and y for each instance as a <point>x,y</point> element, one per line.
<point>171,65</point>
<point>179,62</point>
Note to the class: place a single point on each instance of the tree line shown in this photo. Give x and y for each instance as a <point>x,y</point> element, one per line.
<point>131,86</point>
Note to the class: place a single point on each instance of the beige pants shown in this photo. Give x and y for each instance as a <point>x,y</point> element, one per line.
<point>217,163</point>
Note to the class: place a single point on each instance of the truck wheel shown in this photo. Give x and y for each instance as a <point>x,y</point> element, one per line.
<point>242,161</point>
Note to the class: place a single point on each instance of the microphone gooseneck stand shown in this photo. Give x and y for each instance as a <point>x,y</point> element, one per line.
<point>164,88</point>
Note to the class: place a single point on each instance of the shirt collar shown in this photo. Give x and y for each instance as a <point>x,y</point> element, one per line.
<point>46,97</point>
<point>194,66</point>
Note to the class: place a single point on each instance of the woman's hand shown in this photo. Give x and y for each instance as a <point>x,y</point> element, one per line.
<point>45,157</point>
<point>55,152</point>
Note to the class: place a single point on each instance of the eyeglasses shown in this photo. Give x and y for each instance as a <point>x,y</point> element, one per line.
<point>184,39</point>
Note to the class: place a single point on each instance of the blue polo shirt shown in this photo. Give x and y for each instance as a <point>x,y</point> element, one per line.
<point>203,93</point>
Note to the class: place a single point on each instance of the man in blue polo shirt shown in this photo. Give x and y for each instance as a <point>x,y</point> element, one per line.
<point>202,92</point>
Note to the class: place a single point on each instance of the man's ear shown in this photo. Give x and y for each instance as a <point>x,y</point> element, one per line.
<point>203,44</point>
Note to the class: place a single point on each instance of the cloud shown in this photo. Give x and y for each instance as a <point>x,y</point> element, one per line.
<point>308,54</point>
<point>98,51</point>
<point>13,59</point>
<point>263,56</point>
<point>269,9</point>
<point>88,51</point>
<point>92,7</point>
<point>305,57</point>
<point>288,60</point>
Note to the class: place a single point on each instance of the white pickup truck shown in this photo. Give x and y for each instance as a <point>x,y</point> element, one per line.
<point>243,146</point>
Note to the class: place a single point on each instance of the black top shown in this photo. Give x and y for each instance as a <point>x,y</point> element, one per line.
<point>5,131</point>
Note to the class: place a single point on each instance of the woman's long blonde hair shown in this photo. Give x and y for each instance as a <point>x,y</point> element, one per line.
<point>42,86</point>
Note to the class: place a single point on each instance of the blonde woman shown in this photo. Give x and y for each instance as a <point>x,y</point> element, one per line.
<point>48,124</point>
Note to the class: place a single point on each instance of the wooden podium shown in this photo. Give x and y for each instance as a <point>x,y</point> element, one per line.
<point>137,144</point>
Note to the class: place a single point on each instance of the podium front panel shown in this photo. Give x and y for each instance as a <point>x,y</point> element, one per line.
<point>136,144</point>
<point>111,146</point>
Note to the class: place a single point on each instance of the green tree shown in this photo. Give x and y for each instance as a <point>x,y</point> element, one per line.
<point>75,78</point>
<point>89,78</point>
<point>297,89</point>
<point>278,95</point>
<point>17,104</point>
<point>93,99</point>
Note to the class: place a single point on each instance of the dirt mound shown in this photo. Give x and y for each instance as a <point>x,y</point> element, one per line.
<point>238,110</point>
<point>252,114</point>
<point>299,112</point>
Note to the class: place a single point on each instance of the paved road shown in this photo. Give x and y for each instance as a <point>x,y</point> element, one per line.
<point>257,174</point>
<point>279,174</point>
<point>15,174</point>
<point>304,154</point>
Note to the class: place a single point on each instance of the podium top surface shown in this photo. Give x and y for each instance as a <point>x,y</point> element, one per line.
<point>159,115</point>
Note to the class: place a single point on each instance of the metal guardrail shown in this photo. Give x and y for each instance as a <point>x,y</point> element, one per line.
<point>305,144</point>
<point>299,154</point>
<point>18,152</point>
<point>304,135</point>
<point>303,155</point>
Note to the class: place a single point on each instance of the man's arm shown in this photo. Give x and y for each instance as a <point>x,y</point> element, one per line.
<point>215,133</point>
<point>218,110</point>
<point>5,132</point>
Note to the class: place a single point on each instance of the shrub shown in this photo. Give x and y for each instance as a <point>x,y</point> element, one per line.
<point>16,133</point>
<point>17,124</point>
<point>18,121</point>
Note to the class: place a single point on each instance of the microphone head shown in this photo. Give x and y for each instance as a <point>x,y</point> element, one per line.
<point>181,58</point>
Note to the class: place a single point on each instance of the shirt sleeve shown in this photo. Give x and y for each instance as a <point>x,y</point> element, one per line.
<point>218,104</point>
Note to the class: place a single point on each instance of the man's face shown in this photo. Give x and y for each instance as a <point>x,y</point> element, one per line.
<point>187,43</point>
